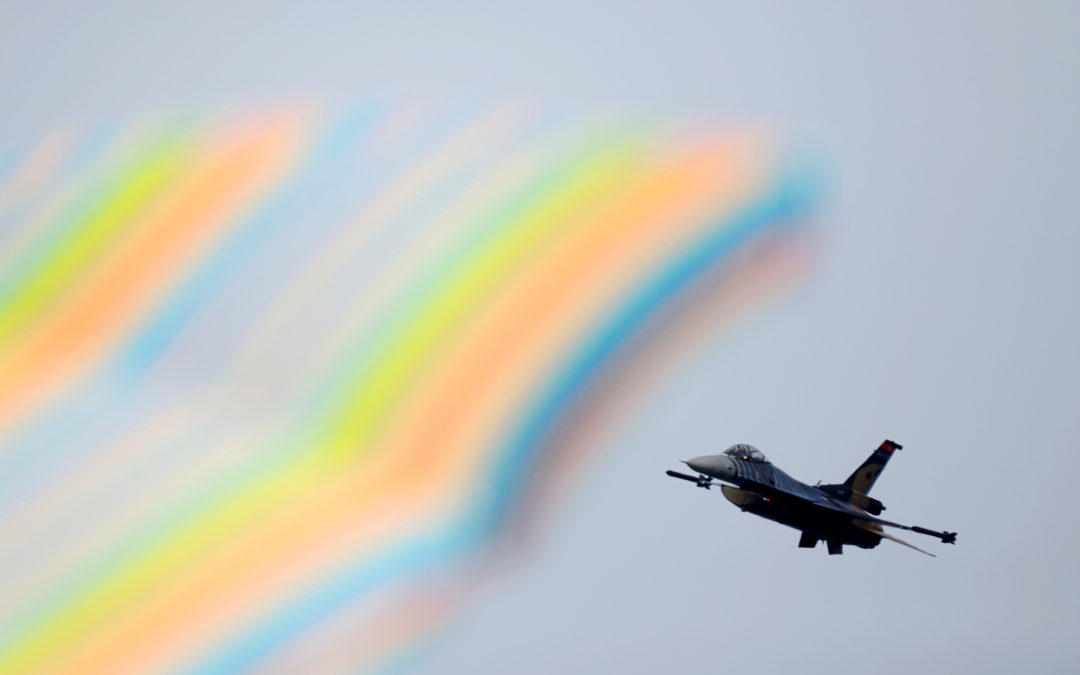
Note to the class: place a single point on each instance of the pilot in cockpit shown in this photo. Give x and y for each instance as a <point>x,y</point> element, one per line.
<point>746,452</point>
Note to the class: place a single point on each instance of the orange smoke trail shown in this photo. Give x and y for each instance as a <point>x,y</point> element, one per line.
<point>85,326</point>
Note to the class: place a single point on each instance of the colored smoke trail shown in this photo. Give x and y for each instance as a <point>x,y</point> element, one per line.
<point>273,381</point>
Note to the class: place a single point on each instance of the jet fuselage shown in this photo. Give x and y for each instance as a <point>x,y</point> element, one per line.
<point>763,490</point>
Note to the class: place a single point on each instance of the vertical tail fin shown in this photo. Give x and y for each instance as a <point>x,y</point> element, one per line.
<point>866,475</point>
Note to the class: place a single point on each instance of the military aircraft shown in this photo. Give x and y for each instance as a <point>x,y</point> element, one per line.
<point>837,514</point>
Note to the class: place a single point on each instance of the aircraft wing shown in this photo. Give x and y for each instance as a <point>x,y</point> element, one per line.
<point>876,529</point>
<point>861,518</point>
<point>875,525</point>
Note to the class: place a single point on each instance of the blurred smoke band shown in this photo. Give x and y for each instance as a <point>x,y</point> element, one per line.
<point>272,379</point>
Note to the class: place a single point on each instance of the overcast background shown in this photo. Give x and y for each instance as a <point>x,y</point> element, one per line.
<point>942,312</point>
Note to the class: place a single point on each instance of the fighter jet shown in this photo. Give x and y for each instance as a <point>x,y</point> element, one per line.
<point>837,514</point>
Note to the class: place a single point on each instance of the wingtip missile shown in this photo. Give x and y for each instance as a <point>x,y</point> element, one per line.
<point>945,537</point>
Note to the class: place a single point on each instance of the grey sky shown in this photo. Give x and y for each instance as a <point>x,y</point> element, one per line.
<point>942,313</point>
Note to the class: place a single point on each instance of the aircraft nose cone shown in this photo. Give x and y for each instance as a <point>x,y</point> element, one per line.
<point>699,463</point>
<point>717,466</point>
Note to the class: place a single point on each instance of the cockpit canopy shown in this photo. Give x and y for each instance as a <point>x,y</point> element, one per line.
<point>746,452</point>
